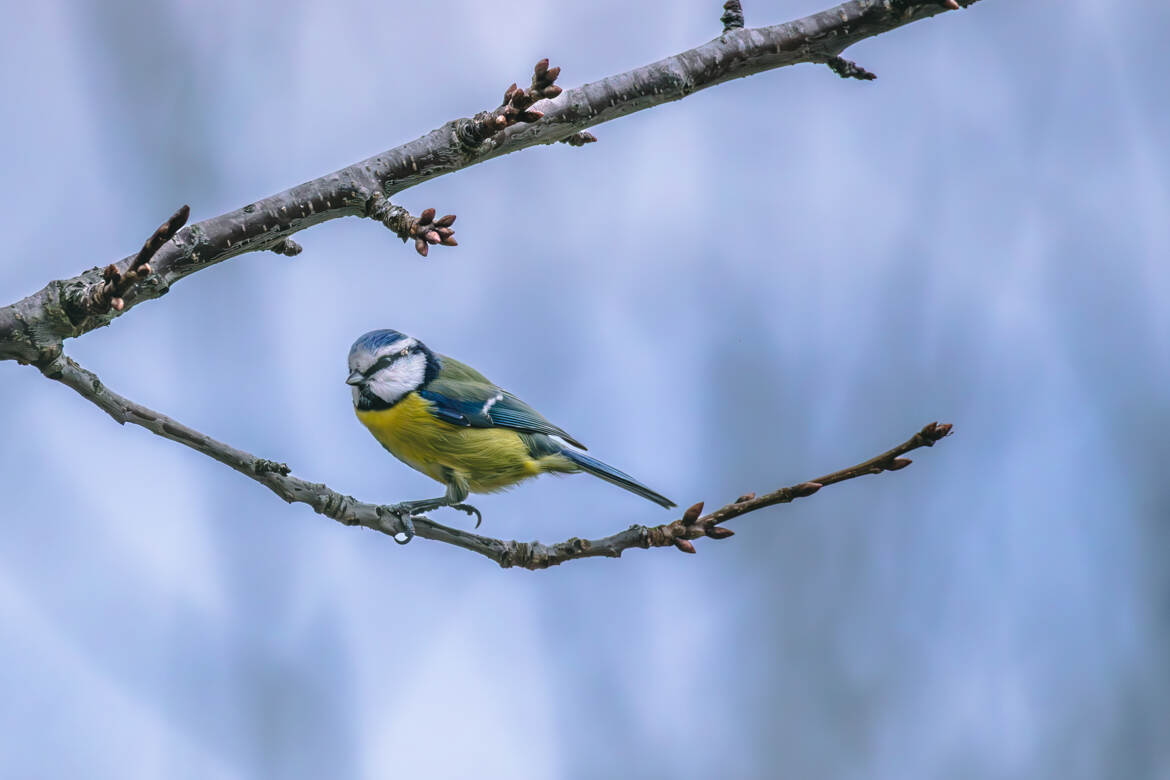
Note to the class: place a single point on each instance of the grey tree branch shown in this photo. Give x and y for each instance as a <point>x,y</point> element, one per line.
<point>31,330</point>
<point>528,555</point>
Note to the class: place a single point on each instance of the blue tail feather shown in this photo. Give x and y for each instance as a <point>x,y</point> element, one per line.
<point>619,478</point>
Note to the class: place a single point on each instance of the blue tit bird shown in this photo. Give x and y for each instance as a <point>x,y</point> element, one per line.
<point>445,419</point>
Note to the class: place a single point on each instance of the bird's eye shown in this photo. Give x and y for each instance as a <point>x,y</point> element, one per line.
<point>404,352</point>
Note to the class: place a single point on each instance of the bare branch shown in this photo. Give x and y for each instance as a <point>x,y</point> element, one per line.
<point>277,477</point>
<point>31,330</point>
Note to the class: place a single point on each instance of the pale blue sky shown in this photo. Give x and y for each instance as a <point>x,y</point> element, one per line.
<point>762,283</point>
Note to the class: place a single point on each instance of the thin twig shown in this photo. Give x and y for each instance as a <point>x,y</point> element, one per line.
<point>31,330</point>
<point>108,294</point>
<point>424,229</point>
<point>528,555</point>
<point>516,108</point>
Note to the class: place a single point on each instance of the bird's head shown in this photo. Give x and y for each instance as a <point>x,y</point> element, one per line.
<point>385,365</point>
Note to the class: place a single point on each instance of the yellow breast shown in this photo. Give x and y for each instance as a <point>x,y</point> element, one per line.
<point>487,459</point>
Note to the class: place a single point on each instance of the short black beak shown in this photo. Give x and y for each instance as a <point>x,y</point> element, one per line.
<point>355,378</point>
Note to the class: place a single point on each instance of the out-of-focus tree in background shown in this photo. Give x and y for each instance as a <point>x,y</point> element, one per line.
<point>979,236</point>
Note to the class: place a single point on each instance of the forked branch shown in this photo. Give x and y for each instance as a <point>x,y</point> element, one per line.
<point>528,555</point>
<point>32,330</point>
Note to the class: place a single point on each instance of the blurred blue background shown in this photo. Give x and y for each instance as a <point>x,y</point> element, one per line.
<point>764,282</point>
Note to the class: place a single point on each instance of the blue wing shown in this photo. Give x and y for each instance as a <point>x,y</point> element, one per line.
<point>479,406</point>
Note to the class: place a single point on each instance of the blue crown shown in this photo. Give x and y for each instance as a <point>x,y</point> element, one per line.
<point>375,340</point>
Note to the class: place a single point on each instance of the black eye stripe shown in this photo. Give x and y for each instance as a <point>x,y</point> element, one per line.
<point>386,360</point>
<point>381,363</point>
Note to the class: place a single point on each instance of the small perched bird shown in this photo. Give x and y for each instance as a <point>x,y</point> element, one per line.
<point>448,421</point>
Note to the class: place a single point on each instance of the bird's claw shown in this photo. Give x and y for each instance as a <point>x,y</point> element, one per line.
<point>403,513</point>
<point>407,510</point>
<point>469,509</point>
<point>407,529</point>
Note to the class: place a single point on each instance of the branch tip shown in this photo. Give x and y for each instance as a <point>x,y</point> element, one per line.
<point>514,109</point>
<point>424,229</point>
<point>935,431</point>
<point>111,292</point>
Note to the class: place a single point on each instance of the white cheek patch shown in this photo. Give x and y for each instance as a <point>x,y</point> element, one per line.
<point>399,378</point>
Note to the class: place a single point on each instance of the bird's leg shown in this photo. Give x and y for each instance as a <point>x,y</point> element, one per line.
<point>457,491</point>
<point>414,508</point>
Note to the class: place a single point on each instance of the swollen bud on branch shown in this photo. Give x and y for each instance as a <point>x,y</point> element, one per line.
<point>110,293</point>
<point>424,228</point>
<point>691,515</point>
<point>806,489</point>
